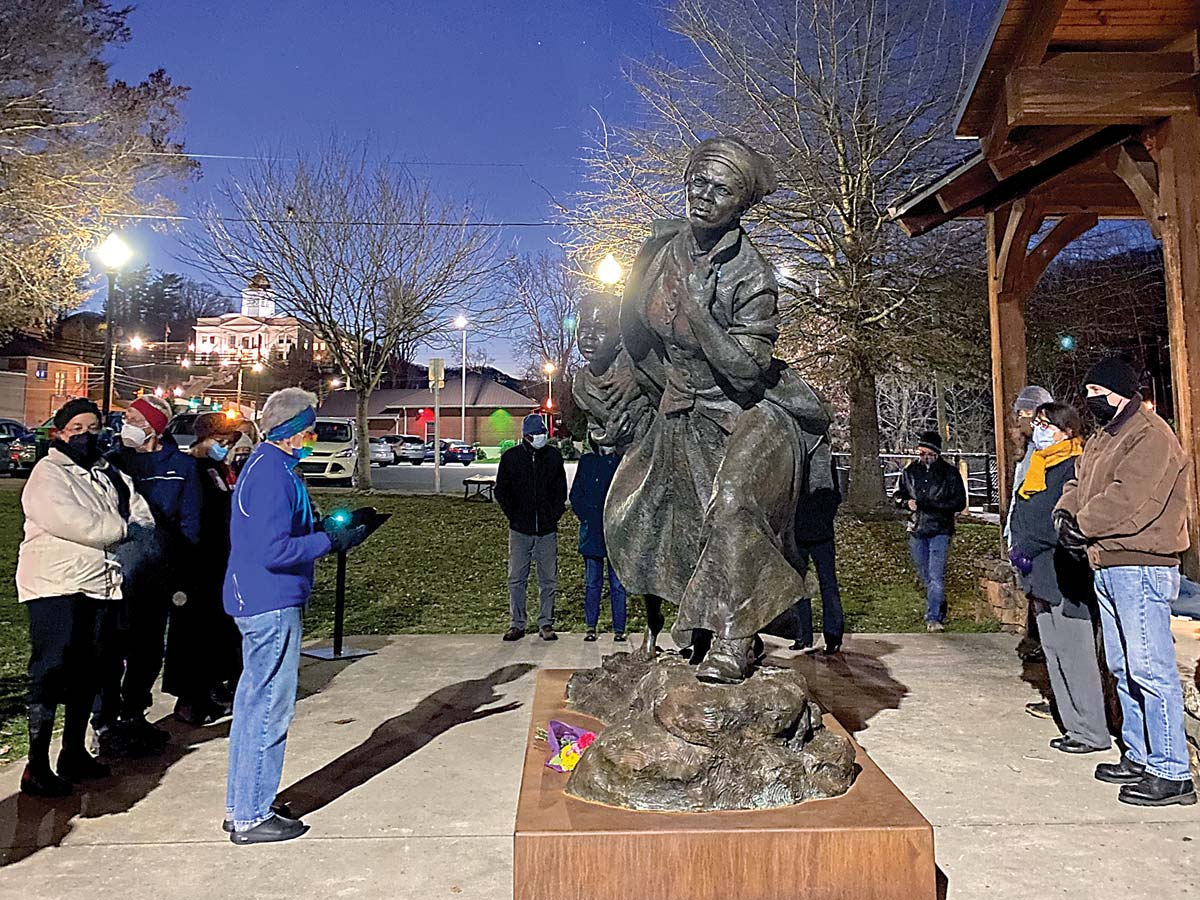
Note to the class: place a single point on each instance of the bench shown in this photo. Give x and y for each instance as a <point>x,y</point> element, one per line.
<point>485,487</point>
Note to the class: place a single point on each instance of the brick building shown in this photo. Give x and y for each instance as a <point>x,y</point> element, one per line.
<point>35,380</point>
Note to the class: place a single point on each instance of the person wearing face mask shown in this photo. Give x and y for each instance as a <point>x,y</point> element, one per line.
<point>1059,585</point>
<point>589,490</point>
<point>204,646</point>
<point>158,573</point>
<point>531,488</point>
<point>274,545</point>
<point>1126,508</point>
<point>932,491</point>
<point>77,509</point>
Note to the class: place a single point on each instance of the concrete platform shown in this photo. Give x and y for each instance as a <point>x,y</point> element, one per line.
<point>407,767</point>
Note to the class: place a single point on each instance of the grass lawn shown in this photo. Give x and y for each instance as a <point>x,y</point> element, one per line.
<point>438,565</point>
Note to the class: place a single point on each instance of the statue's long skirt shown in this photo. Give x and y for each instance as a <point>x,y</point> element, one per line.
<point>704,519</point>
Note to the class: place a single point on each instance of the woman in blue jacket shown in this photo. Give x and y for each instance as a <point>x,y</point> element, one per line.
<point>274,544</point>
<point>588,492</point>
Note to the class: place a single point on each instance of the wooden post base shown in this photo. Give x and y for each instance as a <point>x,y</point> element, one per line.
<point>870,844</point>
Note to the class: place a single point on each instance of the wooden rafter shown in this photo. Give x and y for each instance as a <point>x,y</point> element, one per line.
<point>1133,164</point>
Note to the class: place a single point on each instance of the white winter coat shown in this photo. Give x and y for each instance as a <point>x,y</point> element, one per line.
<point>72,524</point>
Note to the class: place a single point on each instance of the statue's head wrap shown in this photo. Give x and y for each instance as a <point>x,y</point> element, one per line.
<point>755,170</point>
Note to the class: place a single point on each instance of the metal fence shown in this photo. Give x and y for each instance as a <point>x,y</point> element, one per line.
<point>981,474</point>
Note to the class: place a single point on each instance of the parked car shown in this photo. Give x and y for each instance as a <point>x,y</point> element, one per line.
<point>409,448</point>
<point>183,428</point>
<point>452,452</point>
<point>382,454</point>
<point>13,438</point>
<point>333,456</point>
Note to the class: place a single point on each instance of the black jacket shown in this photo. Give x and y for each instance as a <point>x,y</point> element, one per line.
<point>531,488</point>
<point>816,511</point>
<point>939,493</point>
<point>1057,577</point>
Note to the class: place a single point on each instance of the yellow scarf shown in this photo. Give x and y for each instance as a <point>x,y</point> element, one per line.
<point>1035,478</point>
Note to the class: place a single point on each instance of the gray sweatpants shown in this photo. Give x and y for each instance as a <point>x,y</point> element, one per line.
<point>523,550</point>
<point>1070,647</point>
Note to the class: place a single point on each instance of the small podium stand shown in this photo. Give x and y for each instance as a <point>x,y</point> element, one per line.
<point>372,518</point>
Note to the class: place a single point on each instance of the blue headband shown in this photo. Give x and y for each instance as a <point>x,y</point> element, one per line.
<point>297,424</point>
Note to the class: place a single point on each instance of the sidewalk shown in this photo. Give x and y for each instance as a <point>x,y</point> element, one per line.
<point>405,766</point>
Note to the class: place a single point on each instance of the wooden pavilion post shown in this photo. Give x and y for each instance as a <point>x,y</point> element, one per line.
<point>1013,272</point>
<point>1178,212</point>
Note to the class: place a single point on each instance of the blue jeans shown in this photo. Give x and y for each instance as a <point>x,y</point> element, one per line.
<point>824,557</point>
<point>593,587</point>
<point>262,711</point>
<point>1135,616</point>
<point>929,556</point>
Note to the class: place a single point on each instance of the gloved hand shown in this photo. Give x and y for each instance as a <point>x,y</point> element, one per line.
<point>1020,561</point>
<point>1070,538</point>
<point>346,537</point>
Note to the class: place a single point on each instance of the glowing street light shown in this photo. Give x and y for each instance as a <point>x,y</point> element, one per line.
<point>461,324</point>
<point>549,368</point>
<point>136,343</point>
<point>113,253</point>
<point>185,362</point>
<point>178,392</point>
<point>609,271</point>
<point>335,382</point>
<point>158,392</point>
<point>257,367</point>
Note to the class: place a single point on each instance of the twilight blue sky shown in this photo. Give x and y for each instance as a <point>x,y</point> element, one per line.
<point>441,81</point>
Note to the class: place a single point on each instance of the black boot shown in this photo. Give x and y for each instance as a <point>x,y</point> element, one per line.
<point>38,778</point>
<point>1124,772</point>
<point>74,762</point>
<point>1155,791</point>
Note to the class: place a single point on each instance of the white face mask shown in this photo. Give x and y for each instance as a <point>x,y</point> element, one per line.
<point>1043,437</point>
<point>538,441</point>
<point>132,436</point>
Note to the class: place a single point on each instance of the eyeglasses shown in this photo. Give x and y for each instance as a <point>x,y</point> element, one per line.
<point>1045,423</point>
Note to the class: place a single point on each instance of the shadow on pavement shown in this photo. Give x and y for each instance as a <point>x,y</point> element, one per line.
<point>401,736</point>
<point>29,824</point>
<point>854,685</point>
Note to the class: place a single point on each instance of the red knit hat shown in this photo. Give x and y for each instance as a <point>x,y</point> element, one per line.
<point>154,416</point>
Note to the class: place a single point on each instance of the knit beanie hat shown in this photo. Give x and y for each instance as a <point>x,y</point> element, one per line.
<point>1030,398</point>
<point>930,440</point>
<point>73,408</point>
<point>1116,375</point>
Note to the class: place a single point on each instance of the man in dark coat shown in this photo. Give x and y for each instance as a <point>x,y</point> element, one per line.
<point>531,488</point>
<point>158,570</point>
<point>588,493</point>
<point>932,491</point>
<point>815,542</point>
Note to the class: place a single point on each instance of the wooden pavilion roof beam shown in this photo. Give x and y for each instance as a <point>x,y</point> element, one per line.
<point>1101,89</point>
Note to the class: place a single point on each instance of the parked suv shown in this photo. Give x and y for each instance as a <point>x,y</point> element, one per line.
<point>409,448</point>
<point>333,456</point>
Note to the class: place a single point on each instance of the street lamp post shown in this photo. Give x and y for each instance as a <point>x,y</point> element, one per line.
<point>461,324</point>
<point>113,253</point>
<point>549,368</point>
<point>609,270</point>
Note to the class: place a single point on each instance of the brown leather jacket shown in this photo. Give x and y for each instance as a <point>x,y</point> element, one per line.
<point>1129,493</point>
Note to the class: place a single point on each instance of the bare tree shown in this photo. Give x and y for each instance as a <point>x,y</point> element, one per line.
<point>544,294</point>
<point>851,99</point>
<point>369,257</point>
<point>78,152</point>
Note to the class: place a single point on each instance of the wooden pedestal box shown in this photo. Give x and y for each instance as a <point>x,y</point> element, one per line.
<point>870,844</point>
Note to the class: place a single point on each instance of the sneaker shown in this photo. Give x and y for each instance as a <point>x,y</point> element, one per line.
<point>1155,791</point>
<point>273,830</point>
<point>832,648</point>
<point>513,634</point>
<point>547,633</point>
<point>802,647</point>
<point>935,627</point>
<point>1039,710</point>
<point>620,637</point>
<point>1124,772</point>
<point>590,636</point>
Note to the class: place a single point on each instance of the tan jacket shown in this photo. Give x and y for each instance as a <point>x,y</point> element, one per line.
<point>71,527</point>
<point>1129,493</point>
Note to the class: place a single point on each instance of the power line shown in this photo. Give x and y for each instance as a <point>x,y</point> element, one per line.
<point>396,162</point>
<point>377,224</point>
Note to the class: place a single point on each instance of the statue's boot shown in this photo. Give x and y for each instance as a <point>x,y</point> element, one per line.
<point>654,624</point>
<point>729,661</point>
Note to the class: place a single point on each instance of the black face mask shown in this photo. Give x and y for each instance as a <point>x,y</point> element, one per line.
<point>1102,411</point>
<point>83,449</point>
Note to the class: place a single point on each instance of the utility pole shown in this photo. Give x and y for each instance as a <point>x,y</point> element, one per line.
<point>437,381</point>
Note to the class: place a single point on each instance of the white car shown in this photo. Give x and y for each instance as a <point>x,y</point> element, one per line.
<point>333,456</point>
<point>410,449</point>
<point>381,453</point>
